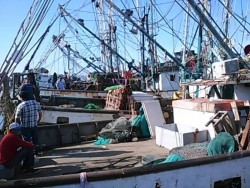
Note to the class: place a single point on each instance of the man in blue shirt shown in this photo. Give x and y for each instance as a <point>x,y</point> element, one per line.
<point>60,84</point>
<point>30,86</point>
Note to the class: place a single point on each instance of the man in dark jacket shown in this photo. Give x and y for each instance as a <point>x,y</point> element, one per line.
<point>13,150</point>
<point>31,87</point>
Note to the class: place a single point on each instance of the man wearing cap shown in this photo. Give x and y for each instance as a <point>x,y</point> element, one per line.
<point>28,114</point>
<point>13,150</point>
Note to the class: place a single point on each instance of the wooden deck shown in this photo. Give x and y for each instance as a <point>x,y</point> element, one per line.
<point>87,157</point>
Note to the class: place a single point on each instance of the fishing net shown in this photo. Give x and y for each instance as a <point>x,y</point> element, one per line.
<point>222,143</point>
<point>119,130</point>
<point>191,151</point>
<point>141,121</point>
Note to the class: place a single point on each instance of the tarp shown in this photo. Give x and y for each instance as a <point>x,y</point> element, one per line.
<point>140,121</point>
<point>92,106</point>
<point>113,87</point>
<point>102,141</point>
<point>173,158</point>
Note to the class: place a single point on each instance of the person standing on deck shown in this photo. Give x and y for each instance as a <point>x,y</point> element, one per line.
<point>13,150</point>
<point>27,87</point>
<point>28,115</point>
<point>54,80</point>
<point>60,84</point>
<point>30,86</point>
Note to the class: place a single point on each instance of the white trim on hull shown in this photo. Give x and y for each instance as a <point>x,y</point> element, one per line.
<point>195,173</point>
<point>73,93</point>
<point>75,115</point>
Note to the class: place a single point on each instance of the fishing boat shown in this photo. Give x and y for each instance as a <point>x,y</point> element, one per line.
<point>92,166</point>
<point>195,121</point>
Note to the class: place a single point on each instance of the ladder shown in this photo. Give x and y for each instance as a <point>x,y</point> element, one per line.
<point>222,123</point>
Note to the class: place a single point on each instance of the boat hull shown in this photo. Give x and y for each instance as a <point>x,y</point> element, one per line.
<point>58,135</point>
<point>53,114</point>
<point>207,172</point>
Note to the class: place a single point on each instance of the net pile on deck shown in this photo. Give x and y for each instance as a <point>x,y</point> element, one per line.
<point>222,143</point>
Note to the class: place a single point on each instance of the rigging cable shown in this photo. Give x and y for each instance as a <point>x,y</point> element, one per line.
<point>39,44</point>
<point>171,27</point>
<point>216,24</point>
<point>80,22</point>
<point>40,17</point>
<point>77,36</point>
<point>22,29</point>
<point>243,34</point>
<point>232,13</point>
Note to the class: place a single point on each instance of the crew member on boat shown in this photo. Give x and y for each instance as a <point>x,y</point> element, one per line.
<point>28,115</point>
<point>29,85</point>
<point>60,83</point>
<point>13,150</point>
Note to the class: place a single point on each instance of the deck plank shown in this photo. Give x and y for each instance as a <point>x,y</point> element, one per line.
<point>88,157</point>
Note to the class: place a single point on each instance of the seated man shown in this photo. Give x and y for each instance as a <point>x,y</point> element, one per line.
<point>13,150</point>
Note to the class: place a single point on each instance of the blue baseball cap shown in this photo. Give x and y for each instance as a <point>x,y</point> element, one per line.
<point>14,126</point>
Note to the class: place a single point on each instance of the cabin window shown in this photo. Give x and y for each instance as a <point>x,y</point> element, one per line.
<point>172,77</point>
<point>61,120</point>
<point>228,183</point>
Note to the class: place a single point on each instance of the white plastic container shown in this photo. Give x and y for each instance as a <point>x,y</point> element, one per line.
<point>169,136</point>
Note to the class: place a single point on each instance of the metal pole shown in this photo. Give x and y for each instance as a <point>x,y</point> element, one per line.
<point>143,53</point>
<point>227,4</point>
<point>68,55</point>
<point>203,17</point>
<point>86,60</point>
<point>183,74</point>
<point>146,34</point>
<point>110,51</point>
<point>81,23</point>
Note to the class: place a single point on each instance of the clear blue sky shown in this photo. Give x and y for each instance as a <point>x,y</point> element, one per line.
<point>13,13</point>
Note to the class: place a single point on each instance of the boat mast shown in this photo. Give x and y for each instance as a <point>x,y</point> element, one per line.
<point>210,52</point>
<point>146,34</point>
<point>186,29</point>
<point>199,50</point>
<point>110,34</point>
<point>143,22</point>
<point>152,48</point>
<point>81,23</point>
<point>68,57</point>
<point>102,30</point>
<point>227,6</point>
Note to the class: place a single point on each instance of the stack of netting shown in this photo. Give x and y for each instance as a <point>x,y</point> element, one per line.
<point>221,144</point>
<point>191,151</point>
